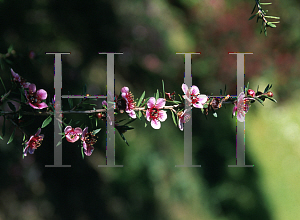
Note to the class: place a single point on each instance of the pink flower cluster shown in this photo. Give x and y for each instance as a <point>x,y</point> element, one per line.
<point>34,98</point>
<point>87,138</point>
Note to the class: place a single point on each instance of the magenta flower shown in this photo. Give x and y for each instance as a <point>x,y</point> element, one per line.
<point>241,106</point>
<point>193,96</point>
<point>130,104</point>
<point>33,143</point>
<point>183,117</point>
<point>19,79</point>
<point>35,98</point>
<point>88,140</point>
<point>153,113</point>
<point>72,135</point>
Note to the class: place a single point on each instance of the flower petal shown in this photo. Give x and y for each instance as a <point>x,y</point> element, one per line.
<point>38,132</point>
<point>41,94</point>
<point>125,89</point>
<point>78,131</point>
<point>148,115</point>
<point>33,106</point>
<point>70,139</point>
<point>198,105</point>
<point>15,75</point>
<point>155,124</point>
<point>42,105</point>
<point>132,114</point>
<point>32,88</point>
<point>194,90</point>
<point>151,102</point>
<point>202,98</point>
<point>88,150</point>
<point>160,103</point>
<point>85,131</point>
<point>180,124</point>
<point>184,88</point>
<point>162,115</point>
<point>240,117</point>
<point>68,129</point>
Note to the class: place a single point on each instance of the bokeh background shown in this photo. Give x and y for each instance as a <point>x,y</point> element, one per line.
<point>149,33</point>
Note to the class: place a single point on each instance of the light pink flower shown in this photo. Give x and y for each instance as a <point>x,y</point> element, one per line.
<point>193,96</point>
<point>72,135</point>
<point>35,98</point>
<point>183,117</point>
<point>88,140</point>
<point>241,106</point>
<point>130,104</point>
<point>33,143</point>
<point>153,113</point>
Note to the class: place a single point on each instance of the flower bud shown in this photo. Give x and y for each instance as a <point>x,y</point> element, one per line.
<point>270,94</point>
<point>214,103</point>
<point>251,92</point>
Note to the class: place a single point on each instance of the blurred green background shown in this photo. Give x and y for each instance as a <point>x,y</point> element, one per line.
<point>149,33</point>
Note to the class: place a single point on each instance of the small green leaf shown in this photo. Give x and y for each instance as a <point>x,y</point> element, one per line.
<point>266,89</point>
<point>11,106</point>
<point>59,143</point>
<point>141,99</point>
<point>47,121</point>
<point>272,17</point>
<point>10,48</point>
<point>82,154</point>
<point>173,116</point>
<point>20,114</point>
<point>145,124</point>
<point>1,137</point>
<point>157,95</point>
<point>259,100</point>
<point>266,3</point>
<point>271,25</point>
<point>96,131</point>
<point>252,17</point>
<point>139,114</point>
<point>215,114</point>
<point>271,99</point>
<point>253,8</point>
<point>11,137</point>
<point>8,61</point>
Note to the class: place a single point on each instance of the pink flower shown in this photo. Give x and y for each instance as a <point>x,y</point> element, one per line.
<point>72,135</point>
<point>193,96</point>
<point>183,117</point>
<point>35,98</point>
<point>33,143</point>
<point>241,106</point>
<point>19,79</point>
<point>153,113</point>
<point>130,104</point>
<point>88,140</point>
